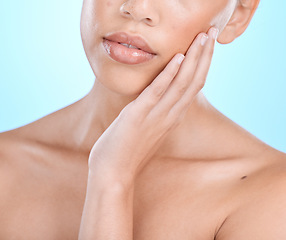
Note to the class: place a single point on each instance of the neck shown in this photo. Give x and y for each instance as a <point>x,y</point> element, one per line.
<point>203,134</point>
<point>101,106</point>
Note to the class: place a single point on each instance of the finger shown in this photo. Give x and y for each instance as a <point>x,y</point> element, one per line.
<point>185,75</point>
<point>200,75</point>
<point>153,93</point>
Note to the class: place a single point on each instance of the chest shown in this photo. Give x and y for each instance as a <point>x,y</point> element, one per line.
<point>166,206</point>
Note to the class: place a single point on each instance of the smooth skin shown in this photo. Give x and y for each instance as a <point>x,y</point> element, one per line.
<point>144,155</point>
<point>131,140</point>
<point>143,123</point>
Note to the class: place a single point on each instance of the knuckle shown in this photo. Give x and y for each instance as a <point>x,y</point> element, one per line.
<point>211,51</point>
<point>196,55</point>
<point>181,89</point>
<point>170,73</point>
<point>157,91</point>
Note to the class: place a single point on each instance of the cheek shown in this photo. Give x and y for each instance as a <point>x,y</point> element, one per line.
<point>174,35</point>
<point>188,19</point>
<point>184,32</point>
<point>198,18</point>
<point>94,19</point>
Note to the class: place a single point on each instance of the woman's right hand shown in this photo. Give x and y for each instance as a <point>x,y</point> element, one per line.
<point>129,142</point>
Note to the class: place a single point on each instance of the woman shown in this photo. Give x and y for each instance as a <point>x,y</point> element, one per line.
<point>144,155</point>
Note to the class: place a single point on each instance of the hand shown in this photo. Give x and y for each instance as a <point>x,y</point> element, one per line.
<point>135,135</point>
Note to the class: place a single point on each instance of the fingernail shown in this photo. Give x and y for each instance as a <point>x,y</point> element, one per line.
<point>181,58</point>
<point>214,33</point>
<point>204,39</point>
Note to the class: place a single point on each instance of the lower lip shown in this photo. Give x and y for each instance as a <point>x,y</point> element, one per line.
<point>126,55</point>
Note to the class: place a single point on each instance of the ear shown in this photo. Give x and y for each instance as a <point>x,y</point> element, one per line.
<point>239,20</point>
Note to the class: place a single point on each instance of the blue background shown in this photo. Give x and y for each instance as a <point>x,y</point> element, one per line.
<point>43,67</point>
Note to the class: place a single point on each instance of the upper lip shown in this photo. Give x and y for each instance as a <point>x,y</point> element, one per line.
<point>136,41</point>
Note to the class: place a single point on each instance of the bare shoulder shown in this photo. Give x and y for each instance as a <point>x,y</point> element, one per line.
<point>9,139</point>
<point>260,209</point>
<point>20,156</point>
<point>11,152</point>
<point>13,144</point>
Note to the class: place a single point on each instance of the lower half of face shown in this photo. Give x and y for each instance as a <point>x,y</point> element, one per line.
<point>168,26</point>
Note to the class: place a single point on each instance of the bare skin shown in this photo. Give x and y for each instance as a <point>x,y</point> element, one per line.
<point>208,178</point>
<point>183,194</point>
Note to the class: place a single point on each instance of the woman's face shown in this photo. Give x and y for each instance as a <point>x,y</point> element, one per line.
<point>168,26</point>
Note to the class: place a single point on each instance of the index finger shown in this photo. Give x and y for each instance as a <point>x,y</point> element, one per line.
<point>153,93</point>
<point>200,75</point>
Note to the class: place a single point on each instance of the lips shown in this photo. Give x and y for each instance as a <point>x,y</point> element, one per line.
<point>135,41</point>
<point>127,49</point>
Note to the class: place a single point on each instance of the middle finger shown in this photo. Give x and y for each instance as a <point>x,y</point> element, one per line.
<point>183,78</point>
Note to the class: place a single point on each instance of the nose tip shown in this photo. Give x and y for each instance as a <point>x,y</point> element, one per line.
<point>140,10</point>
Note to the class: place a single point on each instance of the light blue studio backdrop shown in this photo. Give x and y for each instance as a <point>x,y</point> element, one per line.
<point>43,67</point>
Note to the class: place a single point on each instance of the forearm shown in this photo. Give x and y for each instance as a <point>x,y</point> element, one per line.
<point>108,211</point>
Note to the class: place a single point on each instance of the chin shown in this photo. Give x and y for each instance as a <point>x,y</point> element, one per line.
<point>124,82</point>
<point>123,79</point>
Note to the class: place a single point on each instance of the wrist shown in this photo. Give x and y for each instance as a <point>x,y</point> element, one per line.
<point>110,182</point>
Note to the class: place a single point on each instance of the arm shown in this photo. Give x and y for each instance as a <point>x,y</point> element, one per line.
<point>108,211</point>
<point>130,141</point>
